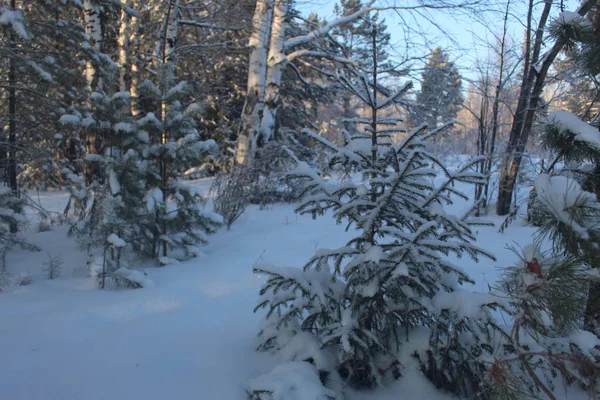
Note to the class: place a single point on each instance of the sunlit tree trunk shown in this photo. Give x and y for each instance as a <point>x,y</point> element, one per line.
<point>93,29</point>
<point>257,75</point>
<point>166,68</point>
<point>275,65</point>
<point>535,72</point>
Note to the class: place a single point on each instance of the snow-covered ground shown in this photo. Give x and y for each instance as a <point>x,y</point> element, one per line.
<point>192,335</point>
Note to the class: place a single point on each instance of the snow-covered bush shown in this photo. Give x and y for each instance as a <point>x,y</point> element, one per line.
<point>231,192</point>
<point>261,182</point>
<point>391,299</point>
<point>24,279</point>
<point>271,165</point>
<point>12,220</point>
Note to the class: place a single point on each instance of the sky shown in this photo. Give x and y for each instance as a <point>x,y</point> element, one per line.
<point>464,37</point>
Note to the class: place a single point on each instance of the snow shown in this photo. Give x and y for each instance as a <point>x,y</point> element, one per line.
<point>295,380</point>
<point>67,119</point>
<point>464,304</point>
<point>560,194</point>
<point>113,181</point>
<point>569,17</point>
<point>116,241</point>
<point>41,72</point>
<point>14,18</point>
<point>124,127</point>
<point>585,340</point>
<point>135,276</point>
<point>177,89</point>
<point>192,333</point>
<point>568,122</point>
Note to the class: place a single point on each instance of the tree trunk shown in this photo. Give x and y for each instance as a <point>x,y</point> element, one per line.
<point>124,41</point>
<point>255,88</point>
<point>93,29</point>
<point>531,91</point>
<point>11,169</point>
<point>482,138</point>
<point>166,52</point>
<point>275,63</point>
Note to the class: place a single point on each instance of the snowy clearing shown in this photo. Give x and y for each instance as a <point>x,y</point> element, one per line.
<point>193,335</point>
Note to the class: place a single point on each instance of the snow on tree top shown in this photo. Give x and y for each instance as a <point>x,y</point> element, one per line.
<point>569,17</point>
<point>568,122</point>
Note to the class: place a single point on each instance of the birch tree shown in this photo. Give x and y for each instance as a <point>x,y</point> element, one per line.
<point>255,88</point>
<point>270,53</point>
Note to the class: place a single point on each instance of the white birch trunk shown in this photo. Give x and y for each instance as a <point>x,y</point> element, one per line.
<point>265,69</point>
<point>124,41</point>
<point>275,63</point>
<point>255,88</point>
<point>93,29</point>
<point>165,47</point>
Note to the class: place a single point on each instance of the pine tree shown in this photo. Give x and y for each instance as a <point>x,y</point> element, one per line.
<point>568,221</point>
<point>390,299</point>
<point>41,47</point>
<point>574,145</point>
<point>440,97</point>
<point>545,294</point>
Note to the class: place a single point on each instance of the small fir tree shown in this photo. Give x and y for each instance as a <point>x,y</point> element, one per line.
<point>11,215</point>
<point>176,219</point>
<point>109,205</point>
<point>390,299</point>
<point>440,97</point>
<point>136,205</point>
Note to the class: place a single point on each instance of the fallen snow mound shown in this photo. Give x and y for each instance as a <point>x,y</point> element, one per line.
<point>296,380</point>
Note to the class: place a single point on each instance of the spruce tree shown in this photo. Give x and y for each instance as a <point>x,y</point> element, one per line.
<point>176,218</point>
<point>440,97</point>
<point>390,299</point>
<point>110,216</point>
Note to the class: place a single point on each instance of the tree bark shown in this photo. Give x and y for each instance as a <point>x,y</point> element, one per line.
<point>496,108</point>
<point>261,68</point>
<point>257,75</point>
<point>124,41</point>
<point>93,29</point>
<point>11,167</point>
<point>275,63</point>
<point>531,91</point>
<point>166,52</point>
